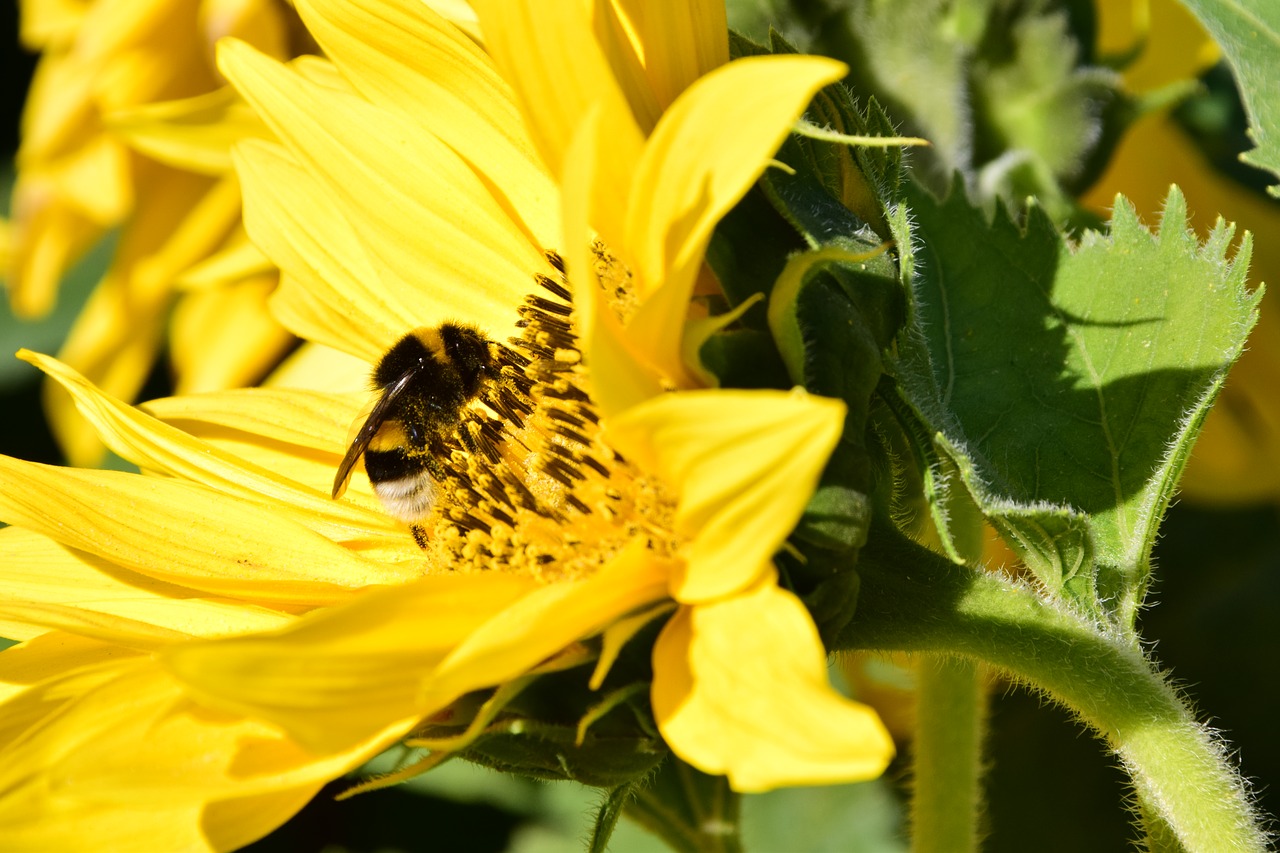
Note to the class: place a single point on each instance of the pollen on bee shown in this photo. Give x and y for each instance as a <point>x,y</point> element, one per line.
<point>529,484</point>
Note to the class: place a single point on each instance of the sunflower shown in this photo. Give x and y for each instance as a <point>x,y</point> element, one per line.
<point>85,170</point>
<point>219,636</point>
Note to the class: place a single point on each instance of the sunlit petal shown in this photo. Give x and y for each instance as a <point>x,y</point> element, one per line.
<point>195,134</point>
<point>190,781</point>
<point>419,208</point>
<point>38,569</point>
<point>740,689</point>
<point>680,41</point>
<point>345,673</point>
<point>548,53</point>
<point>706,152</point>
<point>547,620</point>
<point>402,55</point>
<point>328,274</point>
<point>155,446</point>
<point>745,461</point>
<point>225,337</point>
<point>230,547</point>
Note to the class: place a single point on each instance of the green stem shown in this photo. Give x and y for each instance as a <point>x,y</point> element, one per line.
<point>947,757</point>
<point>914,600</point>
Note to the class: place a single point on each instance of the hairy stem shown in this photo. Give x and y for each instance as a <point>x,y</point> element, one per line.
<point>914,600</point>
<point>947,757</point>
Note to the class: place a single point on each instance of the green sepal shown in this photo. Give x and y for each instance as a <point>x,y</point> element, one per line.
<point>542,750</point>
<point>558,728</point>
<point>832,312</point>
<point>748,250</point>
<point>744,358</point>
<point>859,177</point>
<point>689,810</point>
<point>607,817</point>
<point>825,579</point>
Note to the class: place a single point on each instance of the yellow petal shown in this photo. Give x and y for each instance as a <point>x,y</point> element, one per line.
<point>549,54</point>
<point>417,207</point>
<point>617,635</point>
<point>330,291</point>
<point>298,435</point>
<point>307,419</point>
<point>158,447</point>
<point>37,569</point>
<point>617,33</point>
<point>706,152</point>
<point>681,42</point>
<point>225,337</point>
<point>181,218</point>
<point>744,465</point>
<point>122,631</point>
<point>344,673</point>
<point>238,259</point>
<point>621,374</point>
<point>194,134</point>
<point>740,689</point>
<point>47,236</point>
<point>185,534</point>
<point>118,754</point>
<point>549,619</point>
<point>262,23</point>
<point>48,23</point>
<point>403,55</point>
<point>46,656</point>
<point>316,367</point>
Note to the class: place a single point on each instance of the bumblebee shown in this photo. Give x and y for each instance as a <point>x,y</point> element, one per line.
<point>425,382</point>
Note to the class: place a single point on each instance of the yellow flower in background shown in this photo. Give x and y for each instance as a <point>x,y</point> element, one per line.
<point>1237,457</point>
<point>221,612</point>
<point>79,177</point>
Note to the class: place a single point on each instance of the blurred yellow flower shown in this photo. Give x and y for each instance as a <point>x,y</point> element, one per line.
<point>220,612</point>
<point>1237,457</point>
<point>80,176</point>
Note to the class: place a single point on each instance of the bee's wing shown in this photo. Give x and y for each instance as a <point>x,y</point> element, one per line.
<point>377,416</point>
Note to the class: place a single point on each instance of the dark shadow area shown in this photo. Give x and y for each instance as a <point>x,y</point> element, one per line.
<point>16,66</point>
<point>1051,786</point>
<point>394,820</point>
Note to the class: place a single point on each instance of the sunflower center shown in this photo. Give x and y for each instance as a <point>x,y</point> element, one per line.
<point>530,485</point>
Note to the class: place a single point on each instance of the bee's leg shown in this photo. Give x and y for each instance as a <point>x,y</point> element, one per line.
<point>466,438</point>
<point>419,535</point>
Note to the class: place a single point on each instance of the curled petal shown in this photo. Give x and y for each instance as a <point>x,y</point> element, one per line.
<point>744,464</point>
<point>740,689</point>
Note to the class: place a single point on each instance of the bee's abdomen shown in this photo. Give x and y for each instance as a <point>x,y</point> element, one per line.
<point>402,482</point>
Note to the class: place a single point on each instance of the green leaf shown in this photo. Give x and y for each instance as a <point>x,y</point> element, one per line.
<point>1067,384</point>
<point>1248,31</point>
